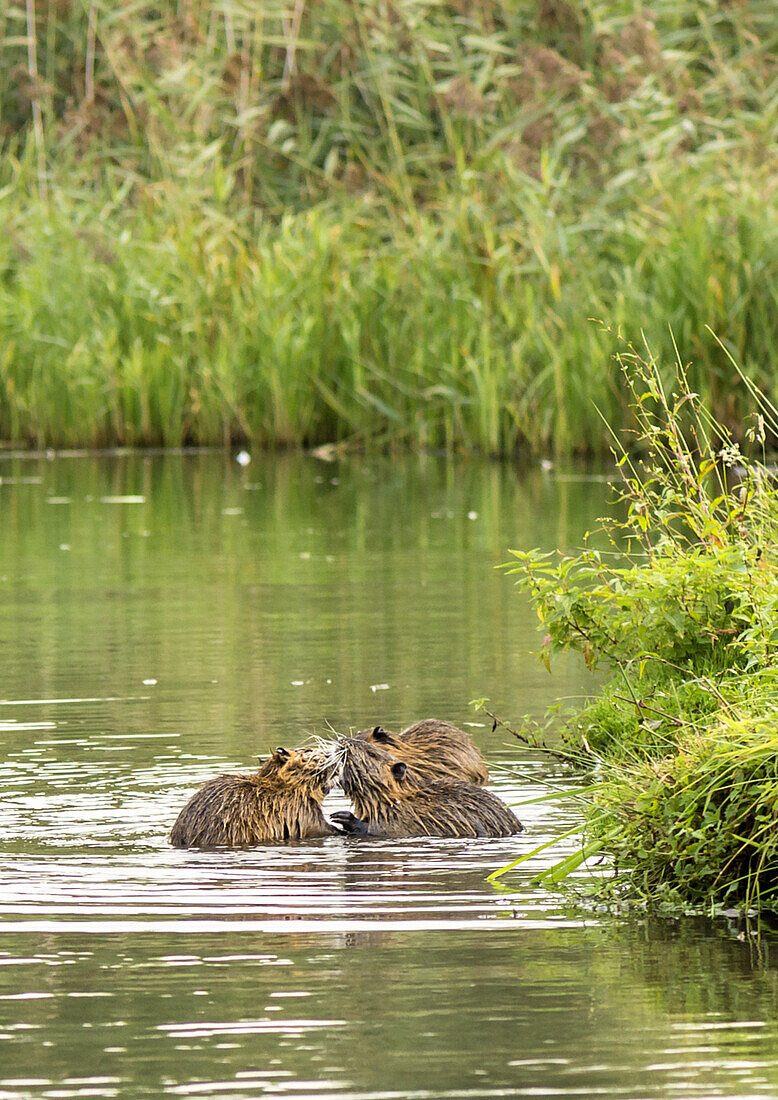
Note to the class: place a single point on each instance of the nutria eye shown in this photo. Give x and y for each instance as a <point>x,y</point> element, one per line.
<point>282,753</point>
<point>379,734</point>
<point>399,769</point>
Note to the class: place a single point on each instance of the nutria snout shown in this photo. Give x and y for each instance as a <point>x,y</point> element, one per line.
<point>280,801</point>
<point>433,750</point>
<point>392,800</point>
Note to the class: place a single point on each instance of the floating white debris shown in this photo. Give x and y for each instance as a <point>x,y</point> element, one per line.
<point>472,515</point>
<point>58,500</point>
<point>64,546</point>
<point>232,511</point>
<point>123,500</point>
<point>243,458</point>
<point>305,556</point>
<point>379,687</point>
<point>298,683</point>
<point>327,452</point>
<point>149,682</point>
<point>546,464</point>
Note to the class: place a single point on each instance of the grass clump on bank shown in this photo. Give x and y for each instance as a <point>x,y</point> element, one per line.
<point>303,222</point>
<point>683,612</point>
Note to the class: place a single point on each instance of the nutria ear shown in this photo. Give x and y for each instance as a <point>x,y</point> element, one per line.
<point>282,753</point>
<point>379,734</point>
<point>398,770</point>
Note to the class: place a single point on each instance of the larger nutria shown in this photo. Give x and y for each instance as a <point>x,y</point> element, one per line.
<point>390,800</point>
<point>433,750</point>
<point>280,801</point>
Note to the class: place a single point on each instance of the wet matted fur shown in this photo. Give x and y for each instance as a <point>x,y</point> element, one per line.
<point>280,801</point>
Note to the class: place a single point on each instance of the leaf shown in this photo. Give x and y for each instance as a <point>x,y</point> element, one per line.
<point>530,855</point>
<point>565,867</point>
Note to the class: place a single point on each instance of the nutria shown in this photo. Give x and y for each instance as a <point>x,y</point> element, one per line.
<point>432,749</point>
<point>280,801</point>
<point>390,800</point>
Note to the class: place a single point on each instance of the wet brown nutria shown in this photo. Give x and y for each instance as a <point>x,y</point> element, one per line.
<point>280,801</point>
<point>432,749</point>
<point>390,800</point>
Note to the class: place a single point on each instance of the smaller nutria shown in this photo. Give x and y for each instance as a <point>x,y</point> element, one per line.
<point>390,800</point>
<point>280,801</point>
<point>433,750</point>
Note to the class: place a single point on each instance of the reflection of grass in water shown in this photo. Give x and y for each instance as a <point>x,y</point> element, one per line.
<point>397,587</point>
<point>384,224</point>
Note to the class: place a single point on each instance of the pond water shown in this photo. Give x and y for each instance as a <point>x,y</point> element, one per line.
<point>167,617</point>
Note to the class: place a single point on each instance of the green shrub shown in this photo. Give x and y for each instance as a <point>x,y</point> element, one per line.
<point>683,612</point>
<point>698,826</point>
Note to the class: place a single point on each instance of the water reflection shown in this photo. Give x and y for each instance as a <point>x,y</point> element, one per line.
<point>165,618</point>
<point>277,619</point>
<point>378,1014</point>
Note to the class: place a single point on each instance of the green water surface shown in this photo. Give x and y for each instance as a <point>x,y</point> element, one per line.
<point>166,617</point>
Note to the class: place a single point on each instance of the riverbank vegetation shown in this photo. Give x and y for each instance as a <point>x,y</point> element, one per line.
<point>682,612</point>
<point>378,222</point>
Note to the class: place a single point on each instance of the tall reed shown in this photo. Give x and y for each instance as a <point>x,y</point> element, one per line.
<point>387,223</point>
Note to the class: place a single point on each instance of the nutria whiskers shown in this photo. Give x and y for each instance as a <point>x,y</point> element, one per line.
<point>433,750</point>
<point>280,801</point>
<point>390,800</point>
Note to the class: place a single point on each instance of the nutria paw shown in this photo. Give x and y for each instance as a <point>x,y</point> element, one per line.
<point>352,826</point>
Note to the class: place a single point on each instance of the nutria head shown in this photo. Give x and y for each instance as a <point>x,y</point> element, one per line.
<point>433,750</point>
<point>392,798</point>
<point>308,772</point>
<point>419,731</point>
<point>378,736</point>
<point>371,777</point>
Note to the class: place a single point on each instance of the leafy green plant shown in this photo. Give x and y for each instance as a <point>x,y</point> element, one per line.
<point>699,825</point>
<point>681,610</point>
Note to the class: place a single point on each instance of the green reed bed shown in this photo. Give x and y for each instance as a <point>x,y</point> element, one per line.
<point>168,323</point>
<point>683,610</point>
<point>391,223</point>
